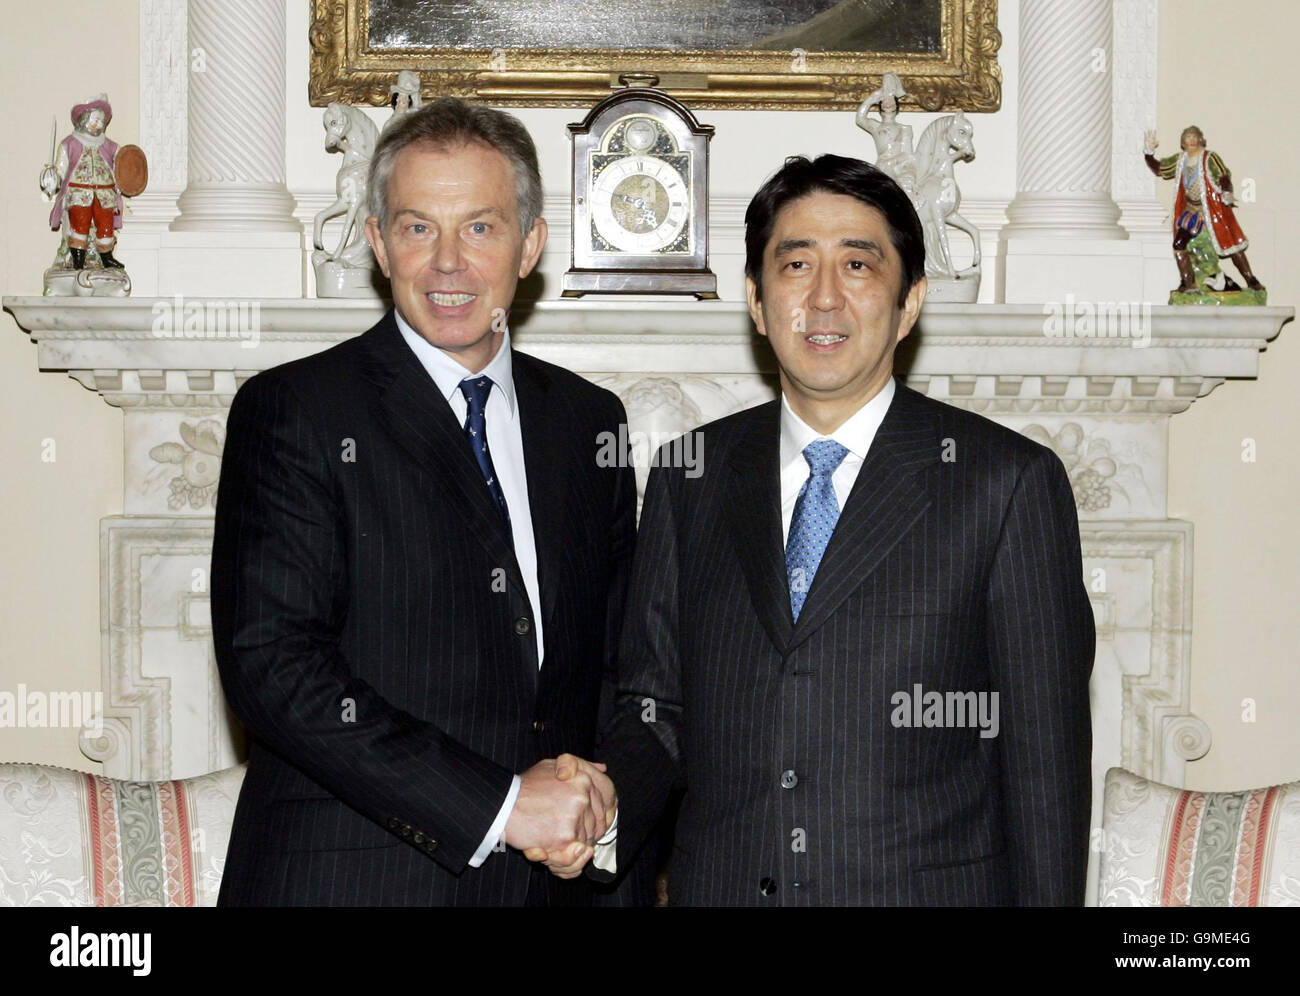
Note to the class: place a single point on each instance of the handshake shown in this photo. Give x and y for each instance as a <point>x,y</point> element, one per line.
<point>563,807</point>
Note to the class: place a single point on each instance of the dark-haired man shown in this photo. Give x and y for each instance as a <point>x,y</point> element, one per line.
<point>419,566</point>
<point>859,641</point>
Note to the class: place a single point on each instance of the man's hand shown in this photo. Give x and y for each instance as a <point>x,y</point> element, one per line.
<point>568,862</point>
<point>561,802</point>
<point>1150,143</point>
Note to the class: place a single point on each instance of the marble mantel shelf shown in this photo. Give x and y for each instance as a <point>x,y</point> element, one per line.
<point>136,352</point>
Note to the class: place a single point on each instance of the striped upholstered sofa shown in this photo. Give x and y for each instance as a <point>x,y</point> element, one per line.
<point>1164,846</point>
<point>68,838</point>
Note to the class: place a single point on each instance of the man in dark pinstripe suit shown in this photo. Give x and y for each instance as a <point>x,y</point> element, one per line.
<point>419,568</point>
<point>859,641</point>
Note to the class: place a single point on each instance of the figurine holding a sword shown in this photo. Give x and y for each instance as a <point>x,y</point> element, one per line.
<point>87,176</point>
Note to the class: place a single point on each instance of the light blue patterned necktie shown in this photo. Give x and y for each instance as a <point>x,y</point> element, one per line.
<point>815,513</point>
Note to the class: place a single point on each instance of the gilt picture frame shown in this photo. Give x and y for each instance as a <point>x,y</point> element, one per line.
<point>732,54</point>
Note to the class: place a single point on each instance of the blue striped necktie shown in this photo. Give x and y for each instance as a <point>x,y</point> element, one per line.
<point>476,391</point>
<point>816,511</point>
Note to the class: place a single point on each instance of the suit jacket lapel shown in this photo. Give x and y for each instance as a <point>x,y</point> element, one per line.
<point>754,510</point>
<point>422,422</point>
<point>887,499</point>
<point>544,438</point>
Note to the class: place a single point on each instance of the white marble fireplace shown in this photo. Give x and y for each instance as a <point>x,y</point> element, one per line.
<point>1103,402</point>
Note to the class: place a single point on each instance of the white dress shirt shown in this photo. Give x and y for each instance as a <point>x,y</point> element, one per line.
<point>855,435</point>
<point>506,441</point>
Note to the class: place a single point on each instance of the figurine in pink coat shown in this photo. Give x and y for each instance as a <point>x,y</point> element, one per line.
<point>83,181</point>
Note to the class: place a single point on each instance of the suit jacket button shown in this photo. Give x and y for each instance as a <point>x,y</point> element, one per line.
<point>538,726</point>
<point>419,838</point>
<point>789,779</point>
<point>767,886</point>
<point>407,831</point>
<point>431,845</point>
<point>523,626</point>
<point>393,823</point>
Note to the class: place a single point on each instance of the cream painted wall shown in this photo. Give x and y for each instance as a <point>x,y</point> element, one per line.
<point>49,540</point>
<point>1228,69</point>
<point>1246,545</point>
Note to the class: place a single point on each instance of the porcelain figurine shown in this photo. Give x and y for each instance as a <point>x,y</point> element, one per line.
<point>926,174</point>
<point>348,270</point>
<point>1205,226</point>
<point>403,96</point>
<point>82,179</point>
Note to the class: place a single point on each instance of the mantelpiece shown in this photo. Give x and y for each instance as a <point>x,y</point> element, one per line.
<point>1003,358</point>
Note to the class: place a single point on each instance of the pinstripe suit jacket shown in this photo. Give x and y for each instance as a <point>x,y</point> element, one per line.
<point>955,566</point>
<point>374,635</point>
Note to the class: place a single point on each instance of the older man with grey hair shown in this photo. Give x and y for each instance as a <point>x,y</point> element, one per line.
<point>419,567</point>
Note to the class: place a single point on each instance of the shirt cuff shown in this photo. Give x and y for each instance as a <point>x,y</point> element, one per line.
<point>605,856</point>
<point>498,827</point>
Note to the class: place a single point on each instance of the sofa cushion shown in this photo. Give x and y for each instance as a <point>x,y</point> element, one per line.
<point>1164,846</point>
<point>68,838</point>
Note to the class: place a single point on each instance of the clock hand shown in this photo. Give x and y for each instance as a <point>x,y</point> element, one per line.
<point>647,214</point>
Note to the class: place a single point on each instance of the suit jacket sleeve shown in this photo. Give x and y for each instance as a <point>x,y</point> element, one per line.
<point>635,884</point>
<point>279,599</point>
<point>642,743</point>
<point>622,545</point>
<point>1041,643</point>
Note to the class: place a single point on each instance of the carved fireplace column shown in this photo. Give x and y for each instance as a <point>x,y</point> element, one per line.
<point>1062,224</point>
<point>236,227</point>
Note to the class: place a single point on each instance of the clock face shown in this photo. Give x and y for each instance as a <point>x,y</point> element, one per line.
<point>641,204</point>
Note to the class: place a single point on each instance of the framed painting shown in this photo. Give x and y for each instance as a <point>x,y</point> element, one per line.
<point>791,55</point>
